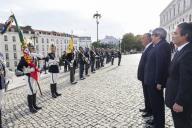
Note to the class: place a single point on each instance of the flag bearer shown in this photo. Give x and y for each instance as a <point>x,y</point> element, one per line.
<point>28,66</point>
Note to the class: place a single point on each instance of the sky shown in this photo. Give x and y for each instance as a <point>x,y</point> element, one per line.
<point>118,16</point>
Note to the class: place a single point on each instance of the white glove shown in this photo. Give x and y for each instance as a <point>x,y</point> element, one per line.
<point>53,62</point>
<point>28,70</point>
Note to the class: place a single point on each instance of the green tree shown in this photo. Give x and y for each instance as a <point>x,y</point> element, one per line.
<point>130,41</point>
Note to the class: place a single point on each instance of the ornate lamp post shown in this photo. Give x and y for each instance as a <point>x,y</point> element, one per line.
<point>97,16</point>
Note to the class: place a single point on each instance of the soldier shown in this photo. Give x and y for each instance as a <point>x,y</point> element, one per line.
<point>81,63</point>
<point>63,58</point>
<point>92,59</point>
<point>119,57</point>
<point>27,69</point>
<point>70,58</point>
<point>4,74</point>
<point>102,57</point>
<point>112,57</point>
<point>97,58</point>
<point>107,56</point>
<point>54,70</point>
<point>87,63</point>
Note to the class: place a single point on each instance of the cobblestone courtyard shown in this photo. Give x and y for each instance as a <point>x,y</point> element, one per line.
<point>110,98</point>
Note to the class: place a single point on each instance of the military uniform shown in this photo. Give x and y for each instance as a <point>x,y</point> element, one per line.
<point>112,57</point>
<point>24,67</point>
<point>81,59</point>
<point>53,70</point>
<point>92,59</point>
<point>87,63</point>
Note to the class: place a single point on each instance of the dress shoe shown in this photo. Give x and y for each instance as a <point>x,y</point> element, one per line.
<point>146,115</point>
<point>74,82</point>
<point>142,110</point>
<point>82,78</point>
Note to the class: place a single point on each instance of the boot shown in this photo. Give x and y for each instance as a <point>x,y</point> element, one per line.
<point>55,90</point>
<point>30,104</point>
<point>34,103</point>
<point>52,91</point>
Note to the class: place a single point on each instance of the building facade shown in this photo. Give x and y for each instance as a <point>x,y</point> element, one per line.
<point>176,12</point>
<point>85,42</point>
<point>10,43</point>
<point>110,40</point>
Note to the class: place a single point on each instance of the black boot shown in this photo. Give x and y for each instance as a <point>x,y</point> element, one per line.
<point>52,91</point>
<point>34,103</point>
<point>55,90</point>
<point>30,104</point>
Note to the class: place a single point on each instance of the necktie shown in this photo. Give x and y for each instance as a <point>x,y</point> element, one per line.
<point>176,54</point>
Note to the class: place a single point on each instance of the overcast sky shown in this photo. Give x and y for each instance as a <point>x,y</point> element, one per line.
<point>118,16</point>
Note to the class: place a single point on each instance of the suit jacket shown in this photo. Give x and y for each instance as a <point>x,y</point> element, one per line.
<point>141,67</point>
<point>179,83</point>
<point>156,68</point>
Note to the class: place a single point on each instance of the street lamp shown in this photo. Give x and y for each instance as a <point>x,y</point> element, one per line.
<point>97,16</point>
<point>35,38</point>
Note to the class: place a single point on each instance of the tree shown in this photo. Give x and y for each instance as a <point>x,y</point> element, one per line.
<point>130,41</point>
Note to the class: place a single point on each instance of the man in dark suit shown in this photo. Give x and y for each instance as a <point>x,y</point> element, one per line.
<point>179,84</point>
<point>146,41</point>
<point>156,73</point>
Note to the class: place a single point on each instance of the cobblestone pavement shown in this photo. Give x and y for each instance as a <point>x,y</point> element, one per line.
<point>110,98</point>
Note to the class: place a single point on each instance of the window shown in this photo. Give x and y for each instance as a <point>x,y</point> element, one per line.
<point>7,56</point>
<point>37,47</point>
<point>42,40</point>
<point>7,64</point>
<point>36,40</point>
<point>174,11</point>
<point>15,55</point>
<point>13,38</point>
<point>6,47</point>
<point>47,40</point>
<point>15,63</point>
<point>5,38</point>
<point>14,47</point>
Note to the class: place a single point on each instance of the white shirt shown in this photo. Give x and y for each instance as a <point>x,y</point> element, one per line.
<point>182,46</point>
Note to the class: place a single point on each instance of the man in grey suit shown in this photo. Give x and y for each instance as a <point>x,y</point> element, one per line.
<point>156,73</point>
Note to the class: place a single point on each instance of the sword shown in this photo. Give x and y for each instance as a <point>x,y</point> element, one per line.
<point>39,88</point>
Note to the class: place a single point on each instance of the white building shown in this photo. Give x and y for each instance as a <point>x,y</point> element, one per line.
<point>110,40</point>
<point>176,12</point>
<point>10,43</point>
<point>85,41</point>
